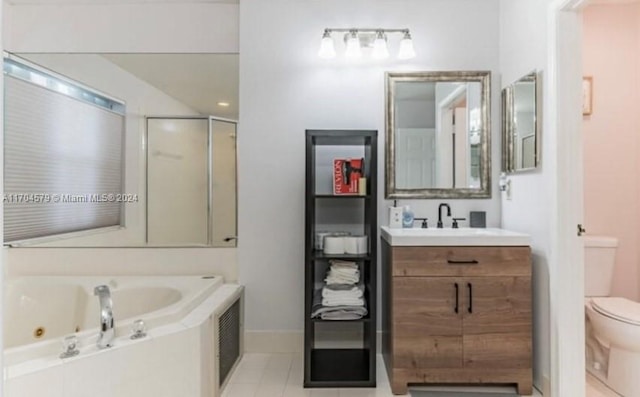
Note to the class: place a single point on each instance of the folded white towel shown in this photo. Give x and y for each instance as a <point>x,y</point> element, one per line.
<point>339,263</point>
<point>342,302</point>
<point>341,279</point>
<point>354,292</point>
<point>343,272</point>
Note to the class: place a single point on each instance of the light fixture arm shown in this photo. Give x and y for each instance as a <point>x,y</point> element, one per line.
<point>364,30</point>
<point>355,38</point>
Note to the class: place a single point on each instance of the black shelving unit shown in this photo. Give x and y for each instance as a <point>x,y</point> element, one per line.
<point>328,366</point>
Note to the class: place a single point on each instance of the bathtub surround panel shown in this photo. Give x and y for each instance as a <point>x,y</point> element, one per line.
<point>610,133</point>
<point>176,359</point>
<point>163,365</point>
<point>284,92</point>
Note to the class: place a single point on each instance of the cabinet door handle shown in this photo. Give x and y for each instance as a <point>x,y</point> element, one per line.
<point>470,297</point>
<point>457,295</point>
<point>462,262</point>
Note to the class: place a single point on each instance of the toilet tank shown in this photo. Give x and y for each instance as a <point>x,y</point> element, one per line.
<point>599,260</point>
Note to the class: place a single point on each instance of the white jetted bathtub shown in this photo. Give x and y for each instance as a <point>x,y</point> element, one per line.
<point>179,356</point>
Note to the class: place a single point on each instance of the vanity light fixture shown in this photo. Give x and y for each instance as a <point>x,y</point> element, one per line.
<point>406,47</point>
<point>356,39</point>
<point>327,50</point>
<point>380,50</point>
<point>353,45</point>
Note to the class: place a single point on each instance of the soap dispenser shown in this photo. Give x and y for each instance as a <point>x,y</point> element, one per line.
<point>407,217</point>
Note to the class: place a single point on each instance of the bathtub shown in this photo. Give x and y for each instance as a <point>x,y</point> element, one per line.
<point>176,358</point>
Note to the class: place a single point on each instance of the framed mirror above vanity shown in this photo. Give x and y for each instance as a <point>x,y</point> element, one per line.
<point>520,127</point>
<point>438,140</point>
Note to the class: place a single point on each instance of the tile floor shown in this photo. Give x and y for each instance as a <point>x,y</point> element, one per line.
<point>280,375</point>
<point>595,388</point>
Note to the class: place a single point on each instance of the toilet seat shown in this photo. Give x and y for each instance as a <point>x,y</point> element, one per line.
<point>617,308</point>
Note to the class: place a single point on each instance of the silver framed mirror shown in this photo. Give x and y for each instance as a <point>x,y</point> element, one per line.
<point>438,134</point>
<point>520,126</point>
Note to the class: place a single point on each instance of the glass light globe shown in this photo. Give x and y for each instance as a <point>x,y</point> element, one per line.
<point>380,50</point>
<point>353,46</point>
<point>406,48</point>
<point>327,49</point>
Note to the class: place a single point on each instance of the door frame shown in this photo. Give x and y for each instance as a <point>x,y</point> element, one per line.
<point>442,107</point>
<point>563,96</point>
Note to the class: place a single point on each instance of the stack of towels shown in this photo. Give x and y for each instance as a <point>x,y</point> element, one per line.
<point>342,296</point>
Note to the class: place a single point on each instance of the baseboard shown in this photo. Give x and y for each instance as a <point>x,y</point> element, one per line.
<point>293,341</point>
<point>546,386</point>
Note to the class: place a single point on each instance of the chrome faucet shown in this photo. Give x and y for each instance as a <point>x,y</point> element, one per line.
<point>440,213</point>
<point>107,332</point>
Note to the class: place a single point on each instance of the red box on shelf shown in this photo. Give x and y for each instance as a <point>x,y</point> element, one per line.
<point>346,174</point>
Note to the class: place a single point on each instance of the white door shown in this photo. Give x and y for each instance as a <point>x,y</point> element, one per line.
<point>177,181</point>
<point>461,158</point>
<point>415,158</point>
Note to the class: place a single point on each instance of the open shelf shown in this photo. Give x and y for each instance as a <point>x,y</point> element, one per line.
<point>319,255</point>
<point>335,365</point>
<point>366,319</point>
<point>341,138</point>
<point>340,368</point>
<point>342,196</point>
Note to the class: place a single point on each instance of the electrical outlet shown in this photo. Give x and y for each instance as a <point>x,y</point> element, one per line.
<point>508,190</point>
<point>395,217</point>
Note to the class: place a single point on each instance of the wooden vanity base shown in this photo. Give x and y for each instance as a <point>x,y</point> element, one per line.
<point>457,315</point>
<point>520,377</point>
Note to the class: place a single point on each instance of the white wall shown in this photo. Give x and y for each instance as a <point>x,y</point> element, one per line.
<point>152,28</point>
<point>523,47</point>
<point>285,88</point>
<point>161,28</point>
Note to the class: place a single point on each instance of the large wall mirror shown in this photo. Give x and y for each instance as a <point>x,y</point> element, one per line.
<point>438,135</point>
<point>520,130</point>
<point>168,147</point>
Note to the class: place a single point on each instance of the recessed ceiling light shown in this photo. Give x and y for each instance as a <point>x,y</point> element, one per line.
<point>223,104</point>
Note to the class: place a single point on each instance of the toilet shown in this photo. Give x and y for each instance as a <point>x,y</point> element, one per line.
<point>613,323</point>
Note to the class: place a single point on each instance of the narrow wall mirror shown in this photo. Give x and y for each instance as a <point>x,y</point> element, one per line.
<point>438,135</point>
<point>520,130</point>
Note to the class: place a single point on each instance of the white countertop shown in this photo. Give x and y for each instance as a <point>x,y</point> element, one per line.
<point>454,237</point>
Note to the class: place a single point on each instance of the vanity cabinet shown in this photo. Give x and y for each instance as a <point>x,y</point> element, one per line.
<point>457,315</point>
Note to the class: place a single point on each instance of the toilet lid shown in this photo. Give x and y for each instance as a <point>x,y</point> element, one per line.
<point>618,308</point>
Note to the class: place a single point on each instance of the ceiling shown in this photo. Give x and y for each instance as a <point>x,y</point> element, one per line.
<point>199,81</point>
<point>44,2</point>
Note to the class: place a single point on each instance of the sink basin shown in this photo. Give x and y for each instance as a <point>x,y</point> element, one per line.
<point>452,237</point>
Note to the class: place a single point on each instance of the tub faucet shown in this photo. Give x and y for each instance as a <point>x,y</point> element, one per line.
<point>445,205</point>
<point>107,332</point>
